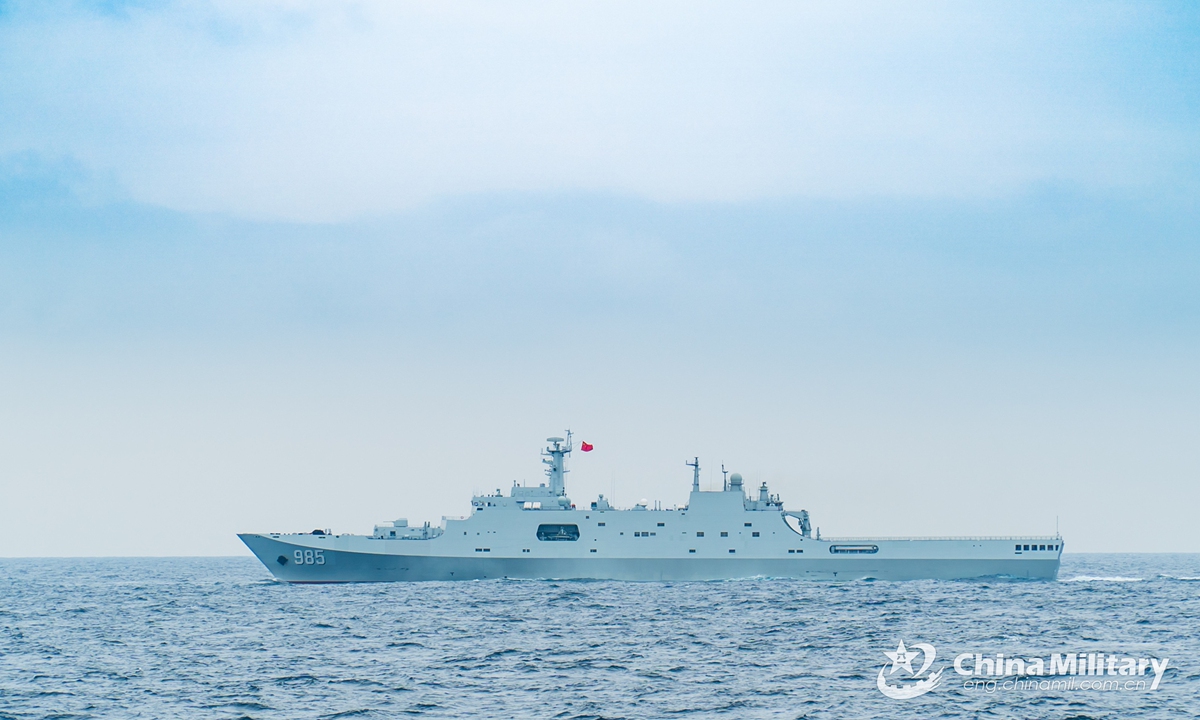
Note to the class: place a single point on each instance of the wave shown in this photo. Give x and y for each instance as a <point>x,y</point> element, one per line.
<point>1095,578</point>
<point>1185,578</point>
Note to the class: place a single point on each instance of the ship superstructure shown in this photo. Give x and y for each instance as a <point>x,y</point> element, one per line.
<point>537,532</point>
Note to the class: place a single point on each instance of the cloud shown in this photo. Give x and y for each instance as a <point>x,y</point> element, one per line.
<point>315,112</point>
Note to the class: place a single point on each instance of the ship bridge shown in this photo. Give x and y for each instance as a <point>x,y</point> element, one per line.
<point>546,496</point>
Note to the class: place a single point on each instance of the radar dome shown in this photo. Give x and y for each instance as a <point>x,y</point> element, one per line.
<point>735,479</point>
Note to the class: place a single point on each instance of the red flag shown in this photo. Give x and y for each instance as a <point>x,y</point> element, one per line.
<point>586,447</point>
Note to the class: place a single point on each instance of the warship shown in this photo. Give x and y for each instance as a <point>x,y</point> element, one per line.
<point>539,533</point>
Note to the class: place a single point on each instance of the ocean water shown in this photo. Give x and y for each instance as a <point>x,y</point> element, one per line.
<point>217,638</point>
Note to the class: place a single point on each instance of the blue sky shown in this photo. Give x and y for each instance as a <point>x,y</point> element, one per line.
<point>925,270</point>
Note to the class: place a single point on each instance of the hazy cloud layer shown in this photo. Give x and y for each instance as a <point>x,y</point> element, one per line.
<point>321,111</point>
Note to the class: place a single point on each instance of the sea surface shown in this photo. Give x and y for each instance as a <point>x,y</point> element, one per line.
<point>218,638</point>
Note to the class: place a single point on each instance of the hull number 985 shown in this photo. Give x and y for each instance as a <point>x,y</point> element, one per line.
<point>309,557</point>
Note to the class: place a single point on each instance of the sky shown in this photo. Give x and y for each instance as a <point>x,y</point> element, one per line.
<point>925,269</point>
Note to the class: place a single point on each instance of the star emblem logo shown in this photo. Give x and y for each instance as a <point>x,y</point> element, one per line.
<point>902,658</point>
<point>916,684</point>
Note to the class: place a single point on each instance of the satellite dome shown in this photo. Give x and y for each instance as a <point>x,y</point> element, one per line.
<point>735,479</point>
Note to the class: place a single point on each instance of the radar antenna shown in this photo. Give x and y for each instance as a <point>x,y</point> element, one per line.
<point>695,466</point>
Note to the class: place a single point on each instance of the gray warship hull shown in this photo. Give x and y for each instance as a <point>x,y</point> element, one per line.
<point>538,533</point>
<point>895,559</point>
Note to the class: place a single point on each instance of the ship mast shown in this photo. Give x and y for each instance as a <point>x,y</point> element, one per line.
<point>554,458</point>
<point>695,466</point>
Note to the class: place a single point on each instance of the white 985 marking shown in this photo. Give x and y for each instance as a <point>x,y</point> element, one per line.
<point>309,557</point>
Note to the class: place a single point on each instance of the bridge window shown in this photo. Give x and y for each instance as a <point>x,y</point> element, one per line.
<point>754,534</point>
<point>1018,548</point>
<point>662,524</point>
<point>558,532</point>
<point>700,534</point>
<point>724,534</point>
<point>1026,547</point>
